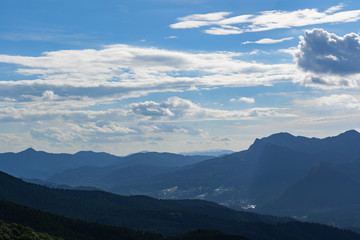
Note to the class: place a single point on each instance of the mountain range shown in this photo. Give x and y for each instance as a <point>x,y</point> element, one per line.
<point>310,179</point>
<point>41,165</point>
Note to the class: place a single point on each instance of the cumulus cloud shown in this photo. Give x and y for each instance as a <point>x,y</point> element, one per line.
<point>49,96</point>
<point>323,52</point>
<point>269,41</point>
<point>329,60</point>
<point>264,21</point>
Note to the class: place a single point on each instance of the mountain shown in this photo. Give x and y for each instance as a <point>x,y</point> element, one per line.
<point>213,153</point>
<point>257,175</point>
<point>144,213</point>
<point>23,218</point>
<point>345,146</point>
<point>324,186</point>
<point>38,164</point>
<point>42,165</point>
<point>237,180</point>
<point>106,177</point>
<point>162,159</point>
<point>139,212</point>
<point>328,193</point>
<point>275,171</point>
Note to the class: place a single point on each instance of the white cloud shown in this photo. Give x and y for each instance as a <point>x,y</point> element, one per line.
<point>329,61</point>
<point>169,128</point>
<point>338,101</point>
<point>332,105</point>
<point>223,31</point>
<point>171,37</point>
<point>264,21</point>
<point>49,134</point>
<point>179,109</point>
<point>49,96</point>
<point>243,99</point>
<point>335,8</point>
<point>269,41</point>
<point>120,71</point>
<point>323,52</point>
<point>199,20</point>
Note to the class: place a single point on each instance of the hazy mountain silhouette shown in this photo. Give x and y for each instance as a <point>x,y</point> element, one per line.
<point>261,172</point>
<point>38,164</point>
<point>106,177</point>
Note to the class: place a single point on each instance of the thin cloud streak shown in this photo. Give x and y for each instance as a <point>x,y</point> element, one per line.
<point>269,41</point>
<point>264,21</point>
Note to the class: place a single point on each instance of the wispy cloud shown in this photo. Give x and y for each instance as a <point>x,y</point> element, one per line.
<point>176,108</point>
<point>120,71</point>
<point>269,40</point>
<point>171,37</point>
<point>337,102</point>
<point>222,24</point>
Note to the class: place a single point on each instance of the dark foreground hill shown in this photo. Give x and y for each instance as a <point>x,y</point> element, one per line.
<point>144,213</point>
<point>15,231</point>
<point>55,227</point>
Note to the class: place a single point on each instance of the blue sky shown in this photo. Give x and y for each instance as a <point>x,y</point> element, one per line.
<point>176,76</point>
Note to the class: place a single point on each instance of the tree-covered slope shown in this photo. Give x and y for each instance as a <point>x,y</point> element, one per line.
<point>145,214</point>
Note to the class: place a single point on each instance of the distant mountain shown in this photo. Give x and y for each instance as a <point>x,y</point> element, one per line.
<point>270,169</point>
<point>106,177</point>
<point>161,159</point>
<point>213,153</point>
<point>38,164</point>
<point>144,213</point>
<point>237,179</point>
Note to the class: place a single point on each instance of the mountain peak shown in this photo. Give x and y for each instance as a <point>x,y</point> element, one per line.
<point>351,133</point>
<point>281,136</point>
<point>29,150</point>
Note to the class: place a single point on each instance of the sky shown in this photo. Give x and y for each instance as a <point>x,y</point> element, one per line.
<point>175,75</point>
